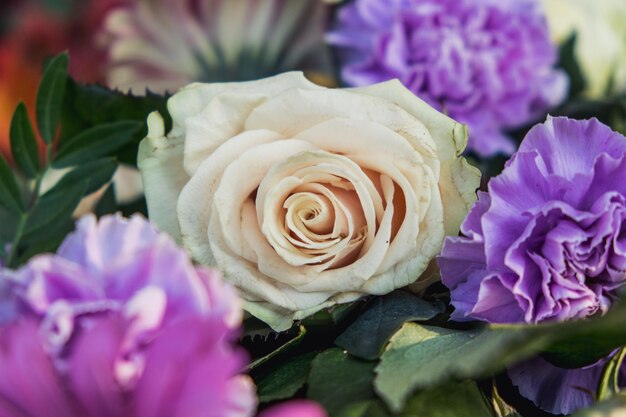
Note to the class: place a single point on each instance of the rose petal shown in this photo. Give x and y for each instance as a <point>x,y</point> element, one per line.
<point>196,198</point>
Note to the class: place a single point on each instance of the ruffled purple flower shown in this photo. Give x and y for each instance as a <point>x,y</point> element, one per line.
<point>548,243</point>
<point>120,323</point>
<point>488,63</point>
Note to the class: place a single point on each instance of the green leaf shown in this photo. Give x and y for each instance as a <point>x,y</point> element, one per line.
<point>579,343</point>
<point>87,106</point>
<point>96,142</point>
<point>50,96</point>
<point>338,379</point>
<point>609,382</point>
<point>610,408</point>
<point>24,143</point>
<point>45,242</point>
<point>107,203</point>
<point>368,408</point>
<point>285,381</point>
<point>455,399</point>
<point>369,333</point>
<point>96,174</point>
<point>53,208</point>
<point>569,63</point>
<point>419,357</point>
<point>10,197</point>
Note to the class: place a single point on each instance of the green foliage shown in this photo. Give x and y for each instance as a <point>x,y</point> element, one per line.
<point>24,143</point>
<point>88,106</point>
<point>567,61</point>
<point>97,127</point>
<point>455,399</point>
<point>10,197</point>
<point>338,379</point>
<point>367,336</point>
<point>419,357</point>
<point>50,97</point>
<point>285,381</point>
<point>96,142</point>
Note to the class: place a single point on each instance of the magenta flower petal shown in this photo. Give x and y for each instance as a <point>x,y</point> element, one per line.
<point>194,379</point>
<point>297,408</point>
<point>29,383</point>
<point>120,323</point>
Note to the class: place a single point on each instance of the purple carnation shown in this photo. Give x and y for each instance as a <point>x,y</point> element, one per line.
<point>488,63</point>
<point>548,243</point>
<point>119,323</point>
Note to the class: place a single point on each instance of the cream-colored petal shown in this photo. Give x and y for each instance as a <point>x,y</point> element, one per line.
<point>160,161</point>
<point>219,121</point>
<point>363,137</point>
<point>192,99</point>
<point>196,199</point>
<point>242,177</point>
<point>253,284</point>
<point>458,179</point>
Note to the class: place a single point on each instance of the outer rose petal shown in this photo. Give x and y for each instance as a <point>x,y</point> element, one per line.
<point>160,160</point>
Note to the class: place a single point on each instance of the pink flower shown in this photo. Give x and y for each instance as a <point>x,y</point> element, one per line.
<point>119,323</point>
<point>299,408</point>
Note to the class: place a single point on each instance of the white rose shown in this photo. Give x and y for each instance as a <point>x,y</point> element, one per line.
<point>600,39</point>
<point>304,196</point>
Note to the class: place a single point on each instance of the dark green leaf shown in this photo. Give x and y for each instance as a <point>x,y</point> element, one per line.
<point>47,242</point>
<point>107,203</point>
<point>96,142</point>
<point>569,63</point>
<point>419,357</point>
<point>367,336</point>
<point>87,106</point>
<point>338,379</point>
<point>96,173</point>
<point>580,343</point>
<point>24,143</point>
<point>455,399</point>
<point>368,408</point>
<point>50,96</point>
<point>54,207</point>
<point>286,380</point>
<point>9,191</point>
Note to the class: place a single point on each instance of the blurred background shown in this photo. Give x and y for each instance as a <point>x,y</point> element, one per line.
<point>157,45</point>
<point>561,57</point>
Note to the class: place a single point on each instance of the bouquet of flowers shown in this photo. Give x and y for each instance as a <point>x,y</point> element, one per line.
<point>307,208</point>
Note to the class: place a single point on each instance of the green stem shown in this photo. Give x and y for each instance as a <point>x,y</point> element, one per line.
<point>21,226</point>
